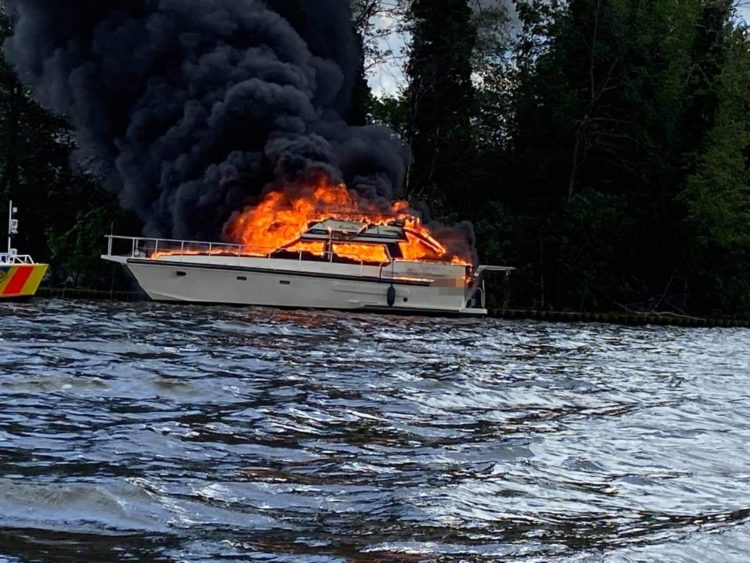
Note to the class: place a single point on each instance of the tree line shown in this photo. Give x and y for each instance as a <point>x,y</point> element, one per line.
<point>602,147</point>
<point>602,150</point>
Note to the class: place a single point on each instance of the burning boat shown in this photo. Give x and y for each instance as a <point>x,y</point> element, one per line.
<point>320,247</point>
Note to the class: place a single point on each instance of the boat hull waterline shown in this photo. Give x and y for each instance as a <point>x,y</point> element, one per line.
<point>237,285</point>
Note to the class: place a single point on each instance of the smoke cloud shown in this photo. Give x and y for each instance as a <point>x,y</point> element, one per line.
<point>189,108</point>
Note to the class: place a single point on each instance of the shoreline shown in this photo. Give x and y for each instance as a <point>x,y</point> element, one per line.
<point>625,319</point>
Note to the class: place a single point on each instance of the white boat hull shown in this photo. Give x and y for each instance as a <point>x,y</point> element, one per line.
<point>293,284</point>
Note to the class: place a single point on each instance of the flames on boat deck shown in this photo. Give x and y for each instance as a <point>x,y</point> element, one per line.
<point>281,219</point>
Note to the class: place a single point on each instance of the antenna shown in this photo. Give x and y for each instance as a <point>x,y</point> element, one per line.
<point>12,225</point>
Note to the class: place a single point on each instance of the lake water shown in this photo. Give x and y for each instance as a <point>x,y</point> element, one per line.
<point>144,431</point>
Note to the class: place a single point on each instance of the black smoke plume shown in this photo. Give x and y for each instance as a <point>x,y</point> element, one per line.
<point>189,108</point>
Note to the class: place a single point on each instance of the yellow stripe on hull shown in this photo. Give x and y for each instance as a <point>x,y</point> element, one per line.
<point>21,280</point>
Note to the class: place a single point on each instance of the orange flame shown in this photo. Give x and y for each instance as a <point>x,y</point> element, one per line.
<point>370,253</point>
<point>282,217</point>
<point>362,253</point>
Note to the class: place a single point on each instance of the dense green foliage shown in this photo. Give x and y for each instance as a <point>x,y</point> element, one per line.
<point>607,155</point>
<point>439,73</point>
<point>604,153</point>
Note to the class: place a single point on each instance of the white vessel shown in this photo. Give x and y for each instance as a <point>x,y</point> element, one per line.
<point>320,270</point>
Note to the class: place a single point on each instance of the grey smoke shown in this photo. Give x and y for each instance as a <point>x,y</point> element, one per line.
<point>189,108</point>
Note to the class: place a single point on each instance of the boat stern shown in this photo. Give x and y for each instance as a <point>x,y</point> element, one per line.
<point>476,293</point>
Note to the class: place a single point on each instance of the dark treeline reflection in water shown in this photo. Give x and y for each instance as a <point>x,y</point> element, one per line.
<point>189,433</point>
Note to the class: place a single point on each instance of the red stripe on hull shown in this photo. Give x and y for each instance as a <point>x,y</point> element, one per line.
<point>18,281</point>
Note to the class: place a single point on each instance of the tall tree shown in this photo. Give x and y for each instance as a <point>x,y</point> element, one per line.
<point>716,232</point>
<point>598,119</point>
<point>441,102</point>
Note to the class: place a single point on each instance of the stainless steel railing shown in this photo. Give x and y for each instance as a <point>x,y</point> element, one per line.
<point>15,259</point>
<point>142,247</point>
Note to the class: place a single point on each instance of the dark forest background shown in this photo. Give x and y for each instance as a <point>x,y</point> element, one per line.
<point>602,147</point>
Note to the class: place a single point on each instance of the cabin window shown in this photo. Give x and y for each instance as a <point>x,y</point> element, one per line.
<point>395,250</point>
<point>285,282</point>
<point>181,274</point>
<point>241,278</point>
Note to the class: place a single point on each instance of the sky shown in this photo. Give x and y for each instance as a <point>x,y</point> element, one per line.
<point>388,78</point>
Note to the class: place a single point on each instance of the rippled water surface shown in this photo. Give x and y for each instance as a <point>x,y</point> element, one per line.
<point>187,433</point>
